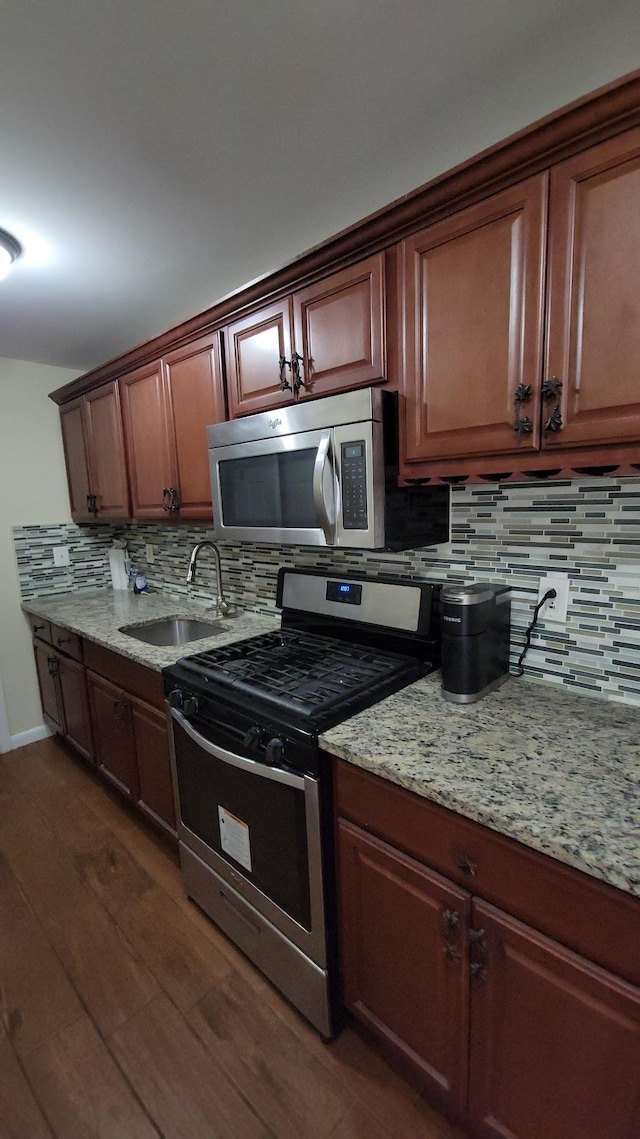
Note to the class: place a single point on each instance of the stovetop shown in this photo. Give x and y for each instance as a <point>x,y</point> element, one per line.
<point>315,679</point>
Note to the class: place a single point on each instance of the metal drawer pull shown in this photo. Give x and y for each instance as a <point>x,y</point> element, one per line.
<point>451,922</point>
<point>466,863</point>
<point>477,953</point>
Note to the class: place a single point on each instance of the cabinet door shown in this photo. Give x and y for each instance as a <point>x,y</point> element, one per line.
<point>473,327</point>
<point>155,784</point>
<point>404,958</point>
<point>76,460</point>
<point>555,1041</point>
<point>339,329</point>
<point>49,685</point>
<point>75,702</point>
<point>108,471</point>
<point>148,441</point>
<point>113,735</point>
<point>254,347</point>
<point>594,299</point>
<point>195,386</point>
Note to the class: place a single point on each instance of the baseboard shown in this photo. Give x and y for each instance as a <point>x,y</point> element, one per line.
<point>31,736</point>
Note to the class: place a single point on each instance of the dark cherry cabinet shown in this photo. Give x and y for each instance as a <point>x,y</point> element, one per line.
<point>555,1041</point>
<point>50,696</point>
<point>593,342</point>
<point>167,407</point>
<point>519,1034</point>
<point>75,702</point>
<point>115,750</point>
<point>196,399</point>
<point>94,455</point>
<point>326,338</point>
<point>132,748</point>
<point>473,288</point>
<point>404,958</point>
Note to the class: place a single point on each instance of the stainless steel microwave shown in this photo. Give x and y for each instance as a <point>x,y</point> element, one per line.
<point>321,473</point>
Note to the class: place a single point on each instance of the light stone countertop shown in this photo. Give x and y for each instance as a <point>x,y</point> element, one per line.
<point>558,772</point>
<point>98,615</point>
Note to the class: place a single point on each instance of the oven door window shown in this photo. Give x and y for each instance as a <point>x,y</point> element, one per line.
<point>267,826</point>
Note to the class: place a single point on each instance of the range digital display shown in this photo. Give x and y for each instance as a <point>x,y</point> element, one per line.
<point>348,592</point>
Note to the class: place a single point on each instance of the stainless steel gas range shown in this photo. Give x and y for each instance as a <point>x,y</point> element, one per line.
<point>254,788</point>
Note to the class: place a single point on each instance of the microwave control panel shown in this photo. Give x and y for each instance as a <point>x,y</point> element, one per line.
<point>354,485</point>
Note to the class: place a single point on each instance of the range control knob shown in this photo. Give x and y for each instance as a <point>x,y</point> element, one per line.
<point>190,706</point>
<point>252,738</point>
<point>176,698</point>
<point>274,752</point>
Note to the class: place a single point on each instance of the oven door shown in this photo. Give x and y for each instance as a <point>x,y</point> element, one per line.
<point>258,828</point>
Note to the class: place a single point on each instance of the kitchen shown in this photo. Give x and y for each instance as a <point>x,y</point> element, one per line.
<point>515,532</point>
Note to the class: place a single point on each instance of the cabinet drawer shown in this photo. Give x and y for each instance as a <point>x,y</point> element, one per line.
<point>583,913</point>
<point>67,642</point>
<point>135,678</point>
<point>40,628</point>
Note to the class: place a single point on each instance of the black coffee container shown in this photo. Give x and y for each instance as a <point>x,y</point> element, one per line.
<point>476,626</point>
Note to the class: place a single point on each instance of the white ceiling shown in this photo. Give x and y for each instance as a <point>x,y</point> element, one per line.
<point>157,154</point>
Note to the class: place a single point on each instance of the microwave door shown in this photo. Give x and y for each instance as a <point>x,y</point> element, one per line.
<point>276,490</point>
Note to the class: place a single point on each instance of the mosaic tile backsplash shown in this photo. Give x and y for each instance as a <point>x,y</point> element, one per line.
<point>512,533</point>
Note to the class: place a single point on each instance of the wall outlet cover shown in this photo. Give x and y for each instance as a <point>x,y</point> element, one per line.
<point>61,556</point>
<point>556,608</point>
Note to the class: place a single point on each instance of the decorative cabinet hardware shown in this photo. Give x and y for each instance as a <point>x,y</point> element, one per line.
<point>170,499</point>
<point>297,367</point>
<point>522,426</point>
<point>122,710</point>
<point>477,953</point>
<point>285,386</point>
<point>551,390</point>
<point>53,666</point>
<point>38,628</point>
<point>63,640</point>
<point>92,504</point>
<point>466,864</point>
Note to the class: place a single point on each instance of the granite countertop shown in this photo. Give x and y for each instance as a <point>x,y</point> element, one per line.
<point>99,614</point>
<point>556,771</point>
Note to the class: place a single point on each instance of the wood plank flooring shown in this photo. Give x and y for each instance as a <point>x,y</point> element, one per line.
<point>125,1014</point>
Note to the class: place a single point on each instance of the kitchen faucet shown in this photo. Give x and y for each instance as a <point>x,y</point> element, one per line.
<point>222,605</point>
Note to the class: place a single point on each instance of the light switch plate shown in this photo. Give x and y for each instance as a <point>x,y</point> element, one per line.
<point>61,556</point>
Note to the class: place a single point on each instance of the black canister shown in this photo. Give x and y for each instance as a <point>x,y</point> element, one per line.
<point>476,625</point>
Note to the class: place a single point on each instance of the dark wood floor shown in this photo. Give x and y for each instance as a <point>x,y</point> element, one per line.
<point>126,1015</point>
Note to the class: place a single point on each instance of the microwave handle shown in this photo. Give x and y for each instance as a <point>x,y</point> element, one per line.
<point>322,458</point>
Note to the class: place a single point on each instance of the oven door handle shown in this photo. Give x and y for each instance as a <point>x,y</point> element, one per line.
<point>322,457</point>
<point>262,769</point>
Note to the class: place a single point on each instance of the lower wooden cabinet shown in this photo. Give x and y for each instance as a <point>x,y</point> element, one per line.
<point>515,1034</point>
<point>50,695</point>
<point>405,965</point>
<point>132,748</point>
<point>77,721</point>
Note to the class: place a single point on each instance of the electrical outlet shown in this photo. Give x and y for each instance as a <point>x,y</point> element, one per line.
<point>555,609</point>
<point>149,553</point>
<point>61,556</point>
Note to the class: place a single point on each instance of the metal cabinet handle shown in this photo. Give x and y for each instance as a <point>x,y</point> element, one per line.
<point>285,386</point>
<point>37,628</point>
<point>297,365</point>
<point>551,390</point>
<point>450,927</point>
<point>92,504</point>
<point>522,426</point>
<point>53,666</point>
<point>478,955</point>
<point>322,458</point>
<point>466,863</point>
<point>170,499</point>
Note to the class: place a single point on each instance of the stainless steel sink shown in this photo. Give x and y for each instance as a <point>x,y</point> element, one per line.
<point>172,630</point>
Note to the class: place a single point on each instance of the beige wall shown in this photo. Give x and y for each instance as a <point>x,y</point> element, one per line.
<point>33,490</point>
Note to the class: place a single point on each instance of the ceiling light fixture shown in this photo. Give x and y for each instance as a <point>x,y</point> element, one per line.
<point>10,249</point>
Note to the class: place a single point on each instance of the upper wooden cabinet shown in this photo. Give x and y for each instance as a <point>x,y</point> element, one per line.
<point>593,342</point>
<point>167,407</point>
<point>326,338</point>
<point>488,373</point>
<point>94,455</point>
<point>473,326</point>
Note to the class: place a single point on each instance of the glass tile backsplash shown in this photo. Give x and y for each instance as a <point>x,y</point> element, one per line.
<point>511,533</point>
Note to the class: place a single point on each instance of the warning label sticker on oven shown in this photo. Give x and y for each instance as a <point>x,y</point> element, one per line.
<point>234,838</point>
